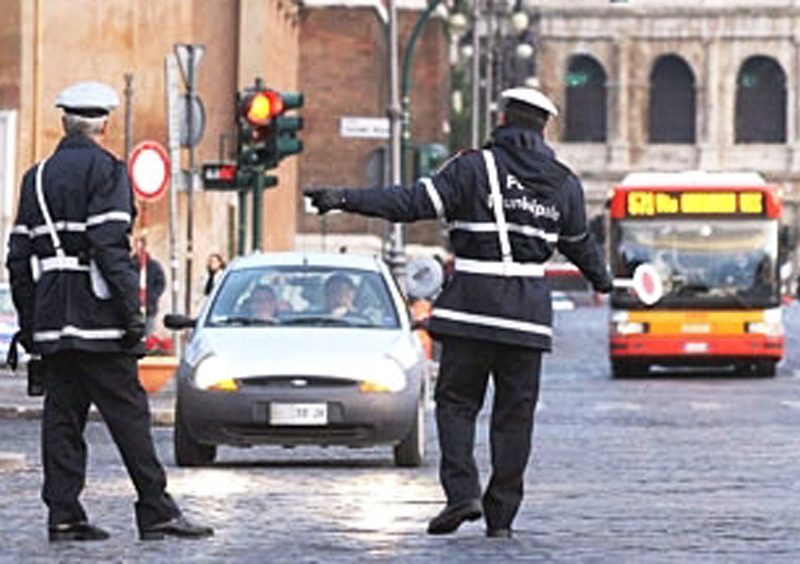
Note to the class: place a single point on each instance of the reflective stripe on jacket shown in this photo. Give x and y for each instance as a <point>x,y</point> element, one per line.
<point>492,295</point>
<point>89,199</point>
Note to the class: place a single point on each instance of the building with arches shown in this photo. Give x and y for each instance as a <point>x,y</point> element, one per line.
<point>673,85</point>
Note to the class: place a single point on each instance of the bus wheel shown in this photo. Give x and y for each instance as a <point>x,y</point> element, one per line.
<point>628,369</point>
<point>765,368</point>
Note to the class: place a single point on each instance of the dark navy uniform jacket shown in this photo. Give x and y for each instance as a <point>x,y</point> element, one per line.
<point>90,201</point>
<point>492,297</point>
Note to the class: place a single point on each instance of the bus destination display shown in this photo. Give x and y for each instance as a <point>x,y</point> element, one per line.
<point>653,203</point>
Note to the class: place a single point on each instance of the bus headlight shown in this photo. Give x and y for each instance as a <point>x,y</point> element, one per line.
<point>628,327</point>
<point>768,328</point>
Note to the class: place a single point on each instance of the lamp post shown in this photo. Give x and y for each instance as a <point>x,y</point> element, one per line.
<point>500,37</point>
<point>400,124</point>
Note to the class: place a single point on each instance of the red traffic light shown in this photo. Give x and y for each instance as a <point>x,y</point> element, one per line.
<point>263,106</point>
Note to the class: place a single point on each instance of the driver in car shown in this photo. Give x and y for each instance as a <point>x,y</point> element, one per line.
<point>339,295</point>
<point>262,303</point>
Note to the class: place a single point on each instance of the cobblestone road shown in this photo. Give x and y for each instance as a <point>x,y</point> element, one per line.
<point>655,470</point>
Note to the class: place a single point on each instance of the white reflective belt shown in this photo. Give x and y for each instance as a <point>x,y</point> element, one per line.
<point>62,263</point>
<point>72,331</point>
<point>497,204</point>
<point>434,197</point>
<point>491,321</point>
<point>108,216</point>
<point>499,268</point>
<point>490,227</point>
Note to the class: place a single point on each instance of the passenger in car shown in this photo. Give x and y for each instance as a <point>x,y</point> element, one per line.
<point>262,303</point>
<point>339,295</point>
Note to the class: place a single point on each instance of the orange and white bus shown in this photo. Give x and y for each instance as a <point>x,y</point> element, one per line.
<point>715,242</point>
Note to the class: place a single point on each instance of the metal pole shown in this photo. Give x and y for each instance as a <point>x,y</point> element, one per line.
<point>396,254</point>
<point>258,207</point>
<point>489,98</point>
<point>405,98</point>
<point>242,228</point>
<point>128,115</point>
<point>476,75</point>
<point>173,140</point>
<point>190,187</point>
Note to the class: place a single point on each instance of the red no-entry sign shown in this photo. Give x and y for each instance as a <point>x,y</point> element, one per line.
<point>148,167</point>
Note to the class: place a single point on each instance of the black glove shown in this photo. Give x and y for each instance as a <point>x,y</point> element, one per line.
<point>134,331</point>
<point>25,338</point>
<point>325,199</point>
<point>605,285</point>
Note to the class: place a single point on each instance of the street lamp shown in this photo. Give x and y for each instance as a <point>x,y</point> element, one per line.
<point>500,44</point>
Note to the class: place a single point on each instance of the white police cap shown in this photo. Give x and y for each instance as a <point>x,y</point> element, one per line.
<point>531,97</point>
<point>88,96</point>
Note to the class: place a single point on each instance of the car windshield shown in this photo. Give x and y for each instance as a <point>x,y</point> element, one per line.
<point>297,296</point>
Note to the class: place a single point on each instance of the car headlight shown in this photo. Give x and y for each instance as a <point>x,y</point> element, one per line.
<point>213,373</point>
<point>384,376</point>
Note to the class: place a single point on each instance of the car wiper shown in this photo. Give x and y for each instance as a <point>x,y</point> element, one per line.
<point>243,320</point>
<point>317,320</point>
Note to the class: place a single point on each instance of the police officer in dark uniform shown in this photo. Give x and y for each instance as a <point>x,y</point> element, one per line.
<point>508,208</point>
<point>75,289</point>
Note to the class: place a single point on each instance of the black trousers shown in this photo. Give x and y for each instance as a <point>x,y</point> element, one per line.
<point>463,374</point>
<point>73,381</point>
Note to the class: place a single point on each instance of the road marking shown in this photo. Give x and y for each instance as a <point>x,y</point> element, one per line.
<point>791,404</point>
<point>617,406</point>
<point>705,405</point>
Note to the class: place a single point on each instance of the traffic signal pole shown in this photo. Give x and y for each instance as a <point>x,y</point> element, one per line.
<point>258,208</point>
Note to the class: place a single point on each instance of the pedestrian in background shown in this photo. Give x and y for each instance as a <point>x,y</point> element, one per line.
<point>153,284</point>
<point>215,264</point>
<point>508,207</point>
<point>76,293</point>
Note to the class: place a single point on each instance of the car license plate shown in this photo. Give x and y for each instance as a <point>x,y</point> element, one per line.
<point>298,414</point>
<point>695,348</point>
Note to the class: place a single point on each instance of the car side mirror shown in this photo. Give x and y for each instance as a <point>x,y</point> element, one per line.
<point>178,321</point>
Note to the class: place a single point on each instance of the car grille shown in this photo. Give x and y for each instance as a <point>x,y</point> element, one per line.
<point>295,382</point>
<point>335,434</point>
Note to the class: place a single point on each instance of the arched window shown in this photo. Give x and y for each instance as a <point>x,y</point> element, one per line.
<point>761,102</point>
<point>671,114</point>
<point>585,116</point>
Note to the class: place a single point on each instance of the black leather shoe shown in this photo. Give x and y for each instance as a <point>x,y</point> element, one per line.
<point>179,527</point>
<point>499,533</point>
<point>453,515</point>
<point>81,531</point>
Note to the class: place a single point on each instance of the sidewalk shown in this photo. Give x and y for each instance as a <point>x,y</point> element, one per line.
<point>16,404</point>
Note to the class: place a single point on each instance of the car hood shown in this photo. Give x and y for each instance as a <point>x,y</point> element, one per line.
<point>340,352</point>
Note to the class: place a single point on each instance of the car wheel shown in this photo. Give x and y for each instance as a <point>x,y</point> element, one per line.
<point>410,452</point>
<point>189,452</point>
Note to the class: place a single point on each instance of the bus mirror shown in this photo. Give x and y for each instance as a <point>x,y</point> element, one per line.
<point>646,282</point>
<point>788,238</point>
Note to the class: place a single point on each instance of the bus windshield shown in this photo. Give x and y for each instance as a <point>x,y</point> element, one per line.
<point>702,262</point>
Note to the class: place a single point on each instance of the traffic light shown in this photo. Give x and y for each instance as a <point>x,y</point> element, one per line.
<point>282,132</point>
<point>256,107</point>
<point>266,135</point>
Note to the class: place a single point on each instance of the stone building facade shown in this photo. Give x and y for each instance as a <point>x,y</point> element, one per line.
<point>674,85</point>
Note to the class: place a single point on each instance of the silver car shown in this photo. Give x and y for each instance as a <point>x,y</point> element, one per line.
<point>299,348</point>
